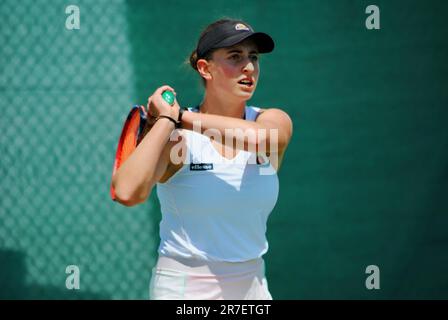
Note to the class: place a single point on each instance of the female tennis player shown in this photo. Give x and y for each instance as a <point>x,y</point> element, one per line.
<point>215,167</point>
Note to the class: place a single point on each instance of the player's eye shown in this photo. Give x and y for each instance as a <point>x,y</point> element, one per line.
<point>235,57</point>
<point>254,57</point>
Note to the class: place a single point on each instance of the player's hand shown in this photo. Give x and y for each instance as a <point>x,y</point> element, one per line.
<point>158,106</point>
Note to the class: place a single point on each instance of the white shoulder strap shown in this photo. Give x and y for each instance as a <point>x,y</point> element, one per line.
<point>251,112</point>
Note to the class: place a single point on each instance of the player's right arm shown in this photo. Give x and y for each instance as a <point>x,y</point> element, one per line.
<point>136,177</point>
<point>149,162</point>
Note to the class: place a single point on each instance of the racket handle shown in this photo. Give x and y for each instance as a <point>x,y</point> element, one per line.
<point>168,96</point>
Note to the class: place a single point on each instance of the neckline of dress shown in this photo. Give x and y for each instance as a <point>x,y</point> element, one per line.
<point>196,109</point>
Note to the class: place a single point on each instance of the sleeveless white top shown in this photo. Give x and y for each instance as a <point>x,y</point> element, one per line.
<point>216,209</point>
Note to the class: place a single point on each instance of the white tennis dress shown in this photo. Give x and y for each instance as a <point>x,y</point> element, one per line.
<point>213,228</point>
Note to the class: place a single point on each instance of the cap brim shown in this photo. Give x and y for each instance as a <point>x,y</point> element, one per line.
<point>262,40</point>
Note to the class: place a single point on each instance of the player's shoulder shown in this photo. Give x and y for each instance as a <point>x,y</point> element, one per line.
<point>266,108</point>
<point>274,111</point>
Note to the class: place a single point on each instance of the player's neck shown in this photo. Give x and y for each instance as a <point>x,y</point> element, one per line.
<point>224,106</point>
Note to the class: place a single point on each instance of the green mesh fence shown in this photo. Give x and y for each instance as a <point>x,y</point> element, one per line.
<point>64,94</point>
<point>363,183</point>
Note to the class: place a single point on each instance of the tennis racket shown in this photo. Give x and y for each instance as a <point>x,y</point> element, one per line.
<point>133,131</point>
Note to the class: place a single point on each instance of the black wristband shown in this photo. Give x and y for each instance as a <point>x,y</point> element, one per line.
<point>169,118</point>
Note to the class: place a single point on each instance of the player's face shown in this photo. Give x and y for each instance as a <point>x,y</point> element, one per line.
<point>235,70</point>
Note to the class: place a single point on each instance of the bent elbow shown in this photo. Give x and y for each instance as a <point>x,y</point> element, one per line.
<point>129,199</point>
<point>126,202</point>
<point>124,198</point>
<point>129,202</point>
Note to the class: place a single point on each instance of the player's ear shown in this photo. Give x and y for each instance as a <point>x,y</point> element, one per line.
<point>204,69</point>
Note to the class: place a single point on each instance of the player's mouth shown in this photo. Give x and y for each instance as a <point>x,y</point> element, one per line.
<point>248,83</point>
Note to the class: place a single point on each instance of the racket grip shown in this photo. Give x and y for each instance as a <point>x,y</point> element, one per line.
<point>168,96</point>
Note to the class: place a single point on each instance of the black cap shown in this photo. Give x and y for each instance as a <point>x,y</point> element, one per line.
<point>231,32</point>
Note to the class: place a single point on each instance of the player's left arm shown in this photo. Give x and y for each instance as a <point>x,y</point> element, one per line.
<point>269,133</point>
<point>279,121</point>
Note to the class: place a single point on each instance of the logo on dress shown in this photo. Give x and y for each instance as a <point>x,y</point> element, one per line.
<point>201,166</point>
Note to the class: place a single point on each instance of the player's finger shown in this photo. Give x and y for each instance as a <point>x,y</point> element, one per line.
<point>160,90</point>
